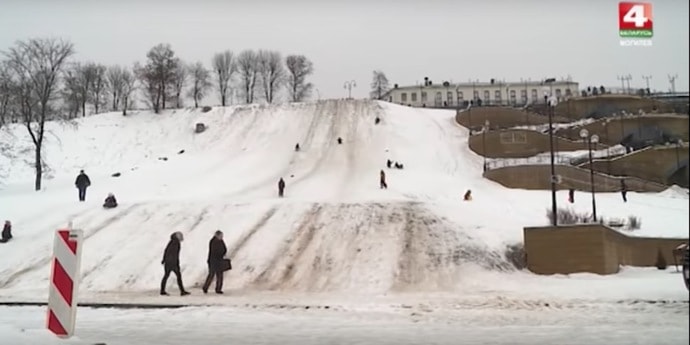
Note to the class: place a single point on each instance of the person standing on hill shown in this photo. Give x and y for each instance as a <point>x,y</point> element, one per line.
<point>624,191</point>
<point>82,182</point>
<point>216,257</point>
<point>171,263</point>
<point>571,195</point>
<point>382,180</point>
<point>281,187</point>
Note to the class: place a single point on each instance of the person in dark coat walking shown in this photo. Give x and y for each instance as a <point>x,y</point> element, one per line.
<point>624,191</point>
<point>297,147</point>
<point>82,182</point>
<point>171,263</point>
<point>571,195</point>
<point>216,256</point>
<point>382,180</point>
<point>281,187</point>
<point>389,163</point>
<point>340,140</point>
<point>6,232</point>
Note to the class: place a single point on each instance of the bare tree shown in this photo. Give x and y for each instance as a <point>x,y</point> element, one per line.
<point>85,75</point>
<point>201,82</point>
<point>99,84</point>
<point>5,92</point>
<point>272,73</point>
<point>179,81</point>
<point>72,92</point>
<point>115,85</point>
<point>157,76</point>
<point>37,64</point>
<point>299,68</point>
<point>128,86</point>
<point>224,66</point>
<point>247,67</point>
<point>379,85</point>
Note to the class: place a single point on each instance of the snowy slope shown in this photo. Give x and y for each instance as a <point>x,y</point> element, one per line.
<point>335,230</point>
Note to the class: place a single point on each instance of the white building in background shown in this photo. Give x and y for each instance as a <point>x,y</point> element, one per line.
<point>492,92</point>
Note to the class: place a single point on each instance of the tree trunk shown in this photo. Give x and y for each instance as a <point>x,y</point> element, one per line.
<point>95,104</point>
<point>114,101</point>
<point>196,102</point>
<point>39,167</point>
<point>177,100</point>
<point>83,109</point>
<point>124,108</point>
<point>222,100</point>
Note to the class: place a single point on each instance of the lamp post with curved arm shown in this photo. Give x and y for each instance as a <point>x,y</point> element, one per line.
<point>349,85</point>
<point>486,128</point>
<point>593,139</point>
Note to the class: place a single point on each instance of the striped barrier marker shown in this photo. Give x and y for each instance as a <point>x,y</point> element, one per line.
<point>64,282</point>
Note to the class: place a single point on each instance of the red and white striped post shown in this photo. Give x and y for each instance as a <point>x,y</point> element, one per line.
<point>64,282</point>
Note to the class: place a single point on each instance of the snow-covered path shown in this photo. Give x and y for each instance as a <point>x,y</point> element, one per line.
<point>605,324</point>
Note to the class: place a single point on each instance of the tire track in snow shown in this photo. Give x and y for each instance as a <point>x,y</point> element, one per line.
<point>286,258</point>
<point>42,262</point>
<point>253,230</point>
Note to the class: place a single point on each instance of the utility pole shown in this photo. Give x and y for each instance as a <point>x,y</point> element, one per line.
<point>628,78</point>
<point>646,79</point>
<point>672,80</point>
<point>622,79</point>
<point>349,85</point>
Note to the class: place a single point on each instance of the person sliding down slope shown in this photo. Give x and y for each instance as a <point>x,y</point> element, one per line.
<point>171,263</point>
<point>110,201</point>
<point>6,232</point>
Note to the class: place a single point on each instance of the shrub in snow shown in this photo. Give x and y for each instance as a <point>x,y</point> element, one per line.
<point>567,216</point>
<point>515,254</point>
<point>206,109</point>
<point>117,174</point>
<point>660,260</point>
<point>180,152</point>
<point>634,222</point>
<point>200,127</point>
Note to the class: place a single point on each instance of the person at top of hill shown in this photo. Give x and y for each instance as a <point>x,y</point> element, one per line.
<point>624,191</point>
<point>171,263</point>
<point>571,195</point>
<point>382,180</point>
<point>389,163</point>
<point>216,256</point>
<point>377,120</point>
<point>297,147</point>
<point>6,232</point>
<point>468,195</point>
<point>82,182</point>
<point>340,140</point>
<point>110,201</point>
<point>281,187</point>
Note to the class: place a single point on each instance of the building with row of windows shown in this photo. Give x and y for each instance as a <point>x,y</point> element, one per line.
<point>481,93</point>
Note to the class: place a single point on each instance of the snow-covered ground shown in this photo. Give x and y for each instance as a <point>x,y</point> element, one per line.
<point>335,239</point>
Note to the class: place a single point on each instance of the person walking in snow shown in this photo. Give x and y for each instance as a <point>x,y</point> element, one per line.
<point>377,120</point>
<point>297,147</point>
<point>171,263</point>
<point>571,195</point>
<point>215,261</point>
<point>281,187</point>
<point>624,191</point>
<point>6,232</point>
<point>389,163</point>
<point>340,140</point>
<point>468,195</point>
<point>382,180</point>
<point>82,182</point>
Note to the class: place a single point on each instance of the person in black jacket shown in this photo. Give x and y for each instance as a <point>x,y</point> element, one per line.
<point>6,232</point>
<point>171,262</point>
<point>216,256</point>
<point>281,187</point>
<point>82,182</point>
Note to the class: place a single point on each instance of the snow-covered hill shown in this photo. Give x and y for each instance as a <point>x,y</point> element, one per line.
<point>334,231</point>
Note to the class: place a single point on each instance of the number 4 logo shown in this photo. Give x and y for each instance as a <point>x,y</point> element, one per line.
<point>635,19</point>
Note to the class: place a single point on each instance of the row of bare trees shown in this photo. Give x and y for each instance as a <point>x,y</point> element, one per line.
<point>39,83</point>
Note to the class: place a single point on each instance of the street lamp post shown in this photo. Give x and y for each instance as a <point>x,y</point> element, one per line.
<point>349,85</point>
<point>318,94</point>
<point>608,146</point>
<point>594,139</point>
<point>486,128</point>
<point>554,209</point>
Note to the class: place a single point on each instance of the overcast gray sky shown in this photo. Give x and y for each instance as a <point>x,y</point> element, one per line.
<point>443,39</point>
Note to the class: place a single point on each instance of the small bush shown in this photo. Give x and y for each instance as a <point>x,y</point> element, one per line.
<point>206,109</point>
<point>660,260</point>
<point>515,254</point>
<point>634,222</point>
<point>567,216</point>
